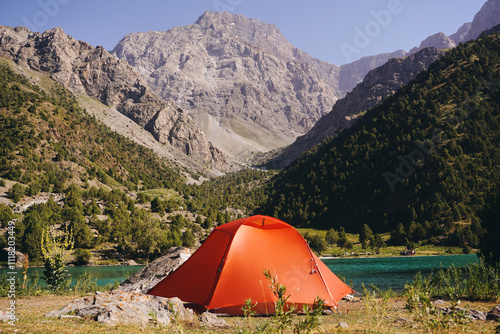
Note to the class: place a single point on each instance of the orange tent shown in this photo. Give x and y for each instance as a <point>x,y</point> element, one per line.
<point>228,269</point>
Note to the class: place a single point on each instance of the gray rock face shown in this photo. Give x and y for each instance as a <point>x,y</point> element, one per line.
<point>461,33</point>
<point>377,85</point>
<point>244,84</point>
<point>353,73</point>
<point>95,72</point>
<point>154,272</point>
<point>487,17</point>
<point>438,41</point>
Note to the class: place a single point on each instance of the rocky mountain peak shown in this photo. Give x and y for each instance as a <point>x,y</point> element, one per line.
<point>221,20</point>
<point>249,29</point>
<point>266,37</point>
<point>239,78</point>
<point>487,17</point>
<point>438,41</point>
<point>243,83</point>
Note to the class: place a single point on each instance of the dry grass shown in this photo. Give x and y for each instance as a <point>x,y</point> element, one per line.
<point>390,318</point>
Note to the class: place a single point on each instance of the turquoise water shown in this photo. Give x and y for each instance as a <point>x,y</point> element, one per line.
<point>391,272</point>
<point>103,274</point>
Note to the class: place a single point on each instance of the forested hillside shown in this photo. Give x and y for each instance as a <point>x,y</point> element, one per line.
<point>420,164</point>
<point>65,171</point>
<point>47,140</point>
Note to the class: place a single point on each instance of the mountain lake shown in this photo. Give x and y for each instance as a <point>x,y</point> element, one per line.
<point>384,272</point>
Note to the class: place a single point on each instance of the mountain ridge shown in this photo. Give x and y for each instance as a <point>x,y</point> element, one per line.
<point>330,123</point>
<point>95,72</point>
<point>247,87</point>
<point>378,84</point>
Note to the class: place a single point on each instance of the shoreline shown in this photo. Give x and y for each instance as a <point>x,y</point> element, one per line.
<point>363,256</point>
<point>382,256</point>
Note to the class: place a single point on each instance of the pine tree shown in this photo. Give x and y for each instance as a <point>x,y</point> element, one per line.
<point>365,236</point>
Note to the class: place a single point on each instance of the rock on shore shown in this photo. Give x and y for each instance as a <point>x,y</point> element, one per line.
<point>154,272</point>
<point>119,307</point>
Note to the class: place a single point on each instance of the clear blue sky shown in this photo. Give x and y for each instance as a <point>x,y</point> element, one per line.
<point>326,29</point>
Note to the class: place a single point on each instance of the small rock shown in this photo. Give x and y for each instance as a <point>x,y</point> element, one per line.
<point>445,310</point>
<point>5,316</point>
<point>130,263</point>
<point>211,320</point>
<point>349,298</point>
<point>494,313</point>
<point>471,314</point>
<point>477,315</point>
<point>343,325</point>
<point>438,302</point>
<point>19,257</point>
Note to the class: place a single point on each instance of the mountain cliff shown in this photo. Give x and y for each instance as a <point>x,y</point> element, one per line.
<point>244,84</point>
<point>377,85</point>
<point>93,71</point>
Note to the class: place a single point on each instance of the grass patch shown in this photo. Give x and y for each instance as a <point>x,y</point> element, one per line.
<point>356,315</point>
<point>163,194</point>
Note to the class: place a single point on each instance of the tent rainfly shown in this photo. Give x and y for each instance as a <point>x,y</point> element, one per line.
<point>229,269</point>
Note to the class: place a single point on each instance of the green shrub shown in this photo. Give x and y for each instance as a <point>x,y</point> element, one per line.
<point>6,214</point>
<point>54,255</point>
<point>82,256</point>
<point>477,281</point>
<point>16,192</point>
<point>86,283</point>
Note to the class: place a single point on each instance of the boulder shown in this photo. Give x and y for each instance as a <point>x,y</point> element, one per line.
<point>211,320</point>
<point>494,313</point>
<point>119,307</point>
<point>343,325</point>
<point>154,272</point>
<point>476,315</point>
<point>7,317</point>
<point>130,263</point>
<point>19,257</point>
<point>349,298</point>
<point>471,314</point>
